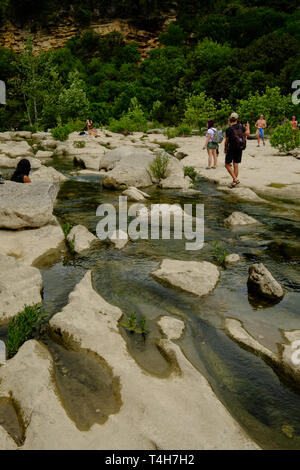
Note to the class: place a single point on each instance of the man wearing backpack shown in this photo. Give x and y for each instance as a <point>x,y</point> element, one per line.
<point>235,143</point>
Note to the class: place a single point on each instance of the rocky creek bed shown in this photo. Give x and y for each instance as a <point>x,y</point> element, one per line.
<point>165,375</point>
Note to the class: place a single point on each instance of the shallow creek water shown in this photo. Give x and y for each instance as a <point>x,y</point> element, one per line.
<point>265,405</point>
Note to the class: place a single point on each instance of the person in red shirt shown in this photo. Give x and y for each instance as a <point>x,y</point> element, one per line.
<point>294,123</point>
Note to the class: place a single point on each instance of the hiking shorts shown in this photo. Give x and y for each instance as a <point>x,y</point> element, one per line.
<point>212,145</point>
<point>233,156</point>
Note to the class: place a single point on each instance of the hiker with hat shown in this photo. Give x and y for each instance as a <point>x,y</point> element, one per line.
<point>235,143</point>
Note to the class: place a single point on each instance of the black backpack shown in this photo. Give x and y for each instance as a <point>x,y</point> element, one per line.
<point>239,139</point>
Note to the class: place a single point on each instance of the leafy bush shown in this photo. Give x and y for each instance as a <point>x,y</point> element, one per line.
<point>285,138</point>
<point>199,109</point>
<point>159,166</point>
<point>168,147</point>
<point>219,254</point>
<point>132,121</point>
<point>61,132</point>
<point>23,327</point>
<point>191,172</point>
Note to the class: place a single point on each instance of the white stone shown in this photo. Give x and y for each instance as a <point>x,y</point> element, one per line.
<point>26,205</point>
<point>134,194</point>
<point>171,327</point>
<point>49,174</point>
<point>19,285</point>
<point>239,218</point>
<point>232,258</point>
<point>197,277</point>
<point>16,149</point>
<point>81,238</point>
<point>119,238</point>
<point>43,154</point>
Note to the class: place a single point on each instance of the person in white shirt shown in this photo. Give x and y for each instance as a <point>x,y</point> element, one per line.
<point>210,145</point>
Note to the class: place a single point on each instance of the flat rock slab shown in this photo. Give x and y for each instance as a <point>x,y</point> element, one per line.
<point>19,285</point>
<point>197,277</point>
<point>30,245</point>
<point>26,205</point>
<point>244,194</point>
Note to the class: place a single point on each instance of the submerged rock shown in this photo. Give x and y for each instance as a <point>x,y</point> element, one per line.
<point>19,285</point>
<point>197,277</point>
<point>239,218</point>
<point>26,205</point>
<point>81,238</point>
<point>262,283</point>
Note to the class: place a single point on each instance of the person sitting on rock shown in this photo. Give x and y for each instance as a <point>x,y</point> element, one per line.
<point>21,175</point>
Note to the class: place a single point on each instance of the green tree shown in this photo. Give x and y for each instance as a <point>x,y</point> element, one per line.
<point>199,109</point>
<point>285,138</point>
<point>72,101</point>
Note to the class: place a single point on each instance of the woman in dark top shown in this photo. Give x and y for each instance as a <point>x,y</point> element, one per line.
<point>22,172</point>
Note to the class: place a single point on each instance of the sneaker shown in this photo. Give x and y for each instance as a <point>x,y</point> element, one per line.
<point>1,180</point>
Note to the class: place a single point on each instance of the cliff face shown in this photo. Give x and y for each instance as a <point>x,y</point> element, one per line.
<point>13,37</point>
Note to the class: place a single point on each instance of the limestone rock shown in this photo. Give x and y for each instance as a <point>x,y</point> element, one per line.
<point>171,327</point>
<point>49,174</point>
<point>119,238</point>
<point>26,205</point>
<point>16,149</point>
<point>6,442</point>
<point>175,178</point>
<point>262,283</point>
<point>43,154</point>
<point>239,218</point>
<point>81,237</point>
<point>244,194</point>
<point>19,285</point>
<point>126,167</point>
<point>30,245</point>
<point>232,258</point>
<point>134,194</point>
<point>197,277</point>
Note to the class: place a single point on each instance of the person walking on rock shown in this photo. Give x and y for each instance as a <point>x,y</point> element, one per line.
<point>260,126</point>
<point>235,143</point>
<point>210,145</point>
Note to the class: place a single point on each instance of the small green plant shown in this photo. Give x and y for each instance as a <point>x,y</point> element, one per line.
<point>219,254</point>
<point>131,324</point>
<point>23,327</point>
<point>191,172</point>
<point>285,138</point>
<point>66,228</point>
<point>171,132</point>
<point>168,147</point>
<point>159,165</point>
<point>71,245</point>
<point>79,144</point>
<point>183,130</point>
<point>61,132</point>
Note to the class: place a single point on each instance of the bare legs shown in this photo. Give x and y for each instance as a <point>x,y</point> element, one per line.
<point>234,172</point>
<point>212,154</point>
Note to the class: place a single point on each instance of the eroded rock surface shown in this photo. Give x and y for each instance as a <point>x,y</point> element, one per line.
<point>262,283</point>
<point>81,238</point>
<point>19,285</point>
<point>239,218</point>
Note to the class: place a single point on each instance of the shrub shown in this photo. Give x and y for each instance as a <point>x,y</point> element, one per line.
<point>61,132</point>
<point>23,327</point>
<point>219,254</point>
<point>183,130</point>
<point>191,172</point>
<point>132,121</point>
<point>159,166</point>
<point>168,147</point>
<point>284,138</point>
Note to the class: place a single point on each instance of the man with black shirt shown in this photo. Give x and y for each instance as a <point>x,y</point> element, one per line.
<point>235,143</point>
